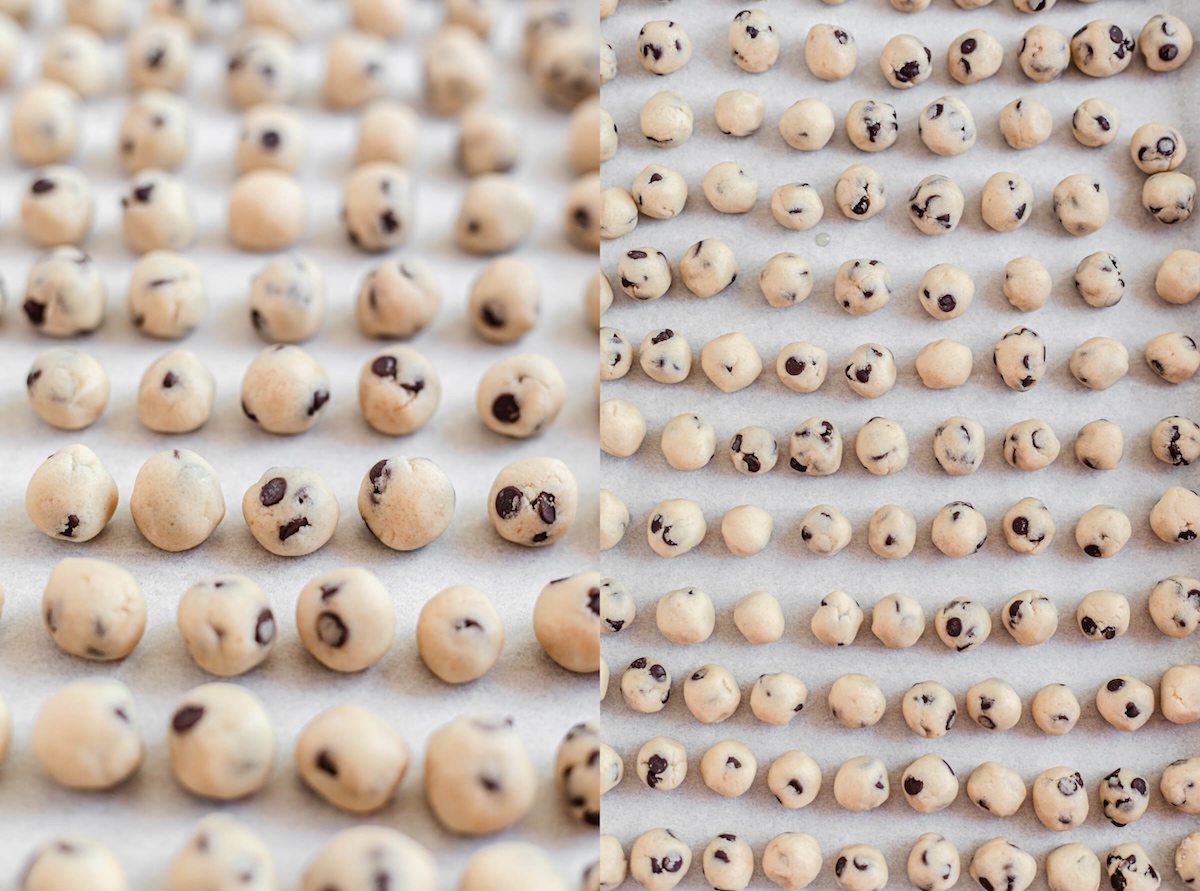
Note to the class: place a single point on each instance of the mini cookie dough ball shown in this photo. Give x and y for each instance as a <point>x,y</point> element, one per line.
<point>1186,857</point>
<point>646,685</point>
<point>87,737</point>
<point>1165,42</point>
<point>1055,709</point>
<point>520,396</point>
<point>830,52</point>
<point>355,858</point>
<point>586,213</point>
<point>1100,445</point>
<point>532,501</point>
<point>1178,277</point>
<point>1174,357</point>
<point>892,532</point>
<point>666,119</point>
<point>177,501</point>
<point>861,784</point>
<point>1044,54</point>
<point>57,209</point>
<point>227,624</point>
<point>665,356</point>
<point>728,768</point>
<point>487,142</point>
<point>398,299</point>
<point>1101,49</point>
<point>944,364</point>
<point>862,286</point>
<point>1060,799</point>
<point>1028,527</point>
<point>1169,197</point>
<point>816,448</point>
<point>870,872</point>
<point>645,274</point>
<point>222,852</point>
<point>1020,357</point>
<point>1103,615</point>
<point>856,701</point>
<point>962,624</point>
<point>731,362</point>
<point>388,131</point>
<point>352,758</point>
<point>708,268</point>
<point>616,355</point>
<point>663,47</point>
<point>176,394</point>
<point>1000,863</point>
<point>1176,440</point>
<point>284,390</point>
<point>807,125</point>
<point>1102,531</point>
<point>1178,784</point>
<point>287,300</point>
<point>997,789</point>
<point>1081,204</point>
<point>898,621</point>
<point>711,694</point>
<point>1030,617</point>
<point>930,784</point>
<point>158,55</point>
<point>154,132</point>
<point>1095,122</point>
<point>759,617</point>
<point>65,295</point>
<point>936,205</point>
<point>577,772</point>
<point>71,496</point>
<point>777,698</point>
<point>1099,362</point>
<point>686,616</point>
<point>659,192</point>
<point>946,291</point>
<point>1157,148</point>
<point>947,127</point>
<point>929,709</point>
<point>825,531</point>
<point>906,61</point>
<point>675,527</point>
<point>974,56</point>
<point>802,367</point>
<point>728,862</point>
<point>272,138</point>
<point>959,530</point>
<point>608,62</point>
<point>1007,201</point>
<point>1123,796</point>
<point>345,619</point>
<point>837,619</point>
<point>1025,123</point>
<point>1176,515</point>
<point>261,68</point>
<point>220,742</point>
<point>356,68</point>
<point>859,192</point>
<point>614,520</point>
<point>1027,284</point>
<point>1125,702</point>
<point>739,113</point>
<point>406,502</point>
<point>166,295</point>
<point>617,608</point>
<point>155,213</point>
<point>291,511</point>
<point>871,125</point>
<point>622,427</point>
<point>73,861</point>
<point>1099,280</point>
<point>658,860</point>
<point>746,530</point>
<point>1175,606</point>
<point>753,451</point>
<point>933,864</point>
<point>753,41</point>
<point>881,447</point>
<point>75,56</point>
<point>377,208</point>
<point>1179,693</point>
<point>1129,866</point>
<point>730,188</point>
<point>688,442</point>
<point>67,388</point>
<point>45,123</point>
<point>871,371</point>
<point>496,215</point>
<point>795,780</point>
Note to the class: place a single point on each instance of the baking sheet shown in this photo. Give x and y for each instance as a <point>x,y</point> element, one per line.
<point>148,818</point>
<point>786,568</point>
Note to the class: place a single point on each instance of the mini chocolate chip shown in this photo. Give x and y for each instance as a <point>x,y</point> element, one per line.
<point>35,311</point>
<point>169,380</point>
<point>544,505</point>
<point>273,491</point>
<point>384,366</point>
<point>264,628</point>
<point>954,626</point>
<point>331,630</point>
<point>508,502</point>
<point>71,525</point>
<point>142,193</point>
<point>290,528</point>
<point>41,186</point>
<point>325,763</point>
<point>506,409</point>
<point>187,718</point>
<point>492,315</point>
<point>319,398</point>
<point>913,786</point>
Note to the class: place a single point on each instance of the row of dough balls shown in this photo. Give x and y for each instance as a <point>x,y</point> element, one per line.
<point>406,503</point>
<point>1098,49</point>
<point>688,616</point>
<point>224,853</point>
<point>659,860</point>
<point>676,526</point>
<point>285,391</point>
<point>95,610</point>
<point>221,746</point>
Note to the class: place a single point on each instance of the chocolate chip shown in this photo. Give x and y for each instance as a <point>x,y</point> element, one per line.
<point>71,525</point>
<point>264,628</point>
<point>187,718</point>
<point>506,409</point>
<point>273,491</point>
<point>968,46</point>
<point>142,193</point>
<point>41,186</point>
<point>954,626</point>
<point>492,315</point>
<point>1114,685</point>
<point>291,527</point>
<point>331,630</point>
<point>35,311</point>
<point>384,366</point>
<point>270,140</point>
<point>319,398</point>
<point>913,786</point>
<point>508,502</point>
<point>325,763</point>
<point>544,506</point>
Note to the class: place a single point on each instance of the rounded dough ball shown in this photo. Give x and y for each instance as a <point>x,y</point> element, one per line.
<point>870,872</point>
<point>862,286</point>
<point>728,768</point>
<point>753,41</point>
<point>929,709</point>
<point>962,624</point>
<point>406,502</point>
<point>856,701</point>
<point>666,119</point>
<point>71,496</point>
<point>663,47</point>
<point>222,851</point>
<point>1100,445</point>
<point>1125,702</point>
<point>871,125</point>
<point>616,355</point>
<point>686,616</point>
<point>1007,202</point>
<point>398,299</point>
<point>959,530</point>
<point>1060,798</point>
<point>738,113</point>
<point>261,68</point>
<point>816,448</point>
<point>1102,531</point>
<point>777,698</point>
<point>859,192</point>
<point>284,390</point>
<point>617,607</point>
<point>1176,515</point>
<point>155,213</point>
<point>354,858</point>
<point>490,867</point>
<point>946,291</point>
<point>220,742</point>
<point>154,133</point>
<point>644,273</point>
<point>795,780</point>
<point>933,863</point>
<point>291,511</point>
<point>389,131</point>
<point>521,396</point>
<point>65,294</point>
<point>1099,362</point>
<point>1030,617</point>
<point>377,208</point>
<point>898,621</point>
<point>861,784</point>
<point>708,267</point>
<point>73,861</point>
<point>1123,796</point>
<point>837,619</point>
<point>532,502</point>
<point>1175,606</point>
<point>807,125</point>
<point>566,621</point>
<point>974,56</point>
<point>830,52</point>
<point>871,371</point>
<point>825,530</point>
<point>659,860</point>
<point>746,530</point>
<point>1027,284</point>
<point>177,501</point>
<point>287,300</point>
<point>166,295</point>
<point>176,394</point>
<point>272,138</point>
<point>1174,357</point>
<point>1000,862</point>
<point>1179,694</point>
<point>614,519</point>
<point>1020,357</point>
<point>459,634</point>
<point>356,67</point>
<point>227,624</point>
<point>881,447</point>
<point>759,617</point>
<point>944,364</point>
<point>997,789</point>
<point>929,784</point>
<point>1044,54</point>
<point>753,451</point>
<point>1157,148</point>
<point>1099,279</point>
<point>936,205</point>
<point>711,694</point>
<point>345,619</point>
<point>906,61</point>
<point>646,685</point>
<point>1101,49</point>
<point>1166,44</point>
<point>56,209</point>
<point>1055,709</point>
<point>730,188</point>
<point>352,758</point>
<point>87,736</point>
<point>1095,122</point>
<point>67,388</point>
<point>665,356</point>
<point>802,367</point>
<point>503,302</point>
<point>45,123</point>
<point>947,127</point>
<point>1028,527</point>
<point>731,362</point>
<point>728,862</point>
<point>158,55</point>
<point>1103,615</point>
<point>622,428</point>
<point>659,192</point>
<point>688,442</point>
<point>1025,123</point>
<point>1081,204</point>
<point>892,532</point>
<point>1169,197</point>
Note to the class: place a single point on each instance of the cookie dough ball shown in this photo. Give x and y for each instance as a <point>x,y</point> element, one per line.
<point>861,784</point>
<point>577,772</point>
<point>1179,693</point>
<point>564,68</point>
<point>166,295</point>
<point>646,685</point>
<point>666,120</point>
<point>1101,49</point>
<point>739,113</point>
<point>387,132</point>
<point>947,127</point>
<point>71,496</point>
<point>1030,617</point>
<point>154,133</point>
<point>898,621</point>
<point>520,396</point>
<point>944,364</point>
<point>220,742</point>
<point>65,294</point>
<point>659,192</point>
<point>862,286</point>
<point>1007,202</point>
<point>871,371</point>
<point>730,188</point>
<point>1178,277</point>
<point>351,758</point>
<point>1025,123</point>
<point>859,192</point>
<point>503,302</point>
<point>158,55</point>
<point>802,367</point>
<point>807,125</point>
<point>936,205</point>
<point>87,736</point>
<point>533,501</point>
<point>1129,866</point>
<point>962,624</point>
<point>398,299</point>
<point>1176,515</point>
<point>825,530</point>
<point>227,624</point>
<point>645,274</point>
<point>1028,527</point>
<point>1175,606</point>
<point>67,388</point>
<point>946,291</point>
<point>759,617</point>
<point>1044,54</point>
<point>959,530</point>
<point>45,123</point>
<point>711,694</point>
<point>291,511</point>
<point>881,447</point>
<point>386,18</point>
<point>1060,799</point>
<point>356,68</point>
<point>659,860</point>
<point>906,61</point>
<point>1103,615</point>
<point>287,300</point>
<point>837,620</point>
<point>617,608</point>
<point>997,789</point>
<point>478,775</point>
<point>688,442</point>
<point>816,448</point>
<point>929,709</point>
<point>1100,445</point>
<point>1174,357</point>
<point>1125,702</point>
<point>728,768</point>
<point>622,428</point>
<point>56,209</point>
<point>355,858</point>
<point>933,863</point>
<point>708,267</point>
<point>155,213</point>
<point>1178,784</point>
<point>1081,204</point>
<point>777,698</point>
<point>177,501</point>
<point>664,47</point>
<point>795,780</point>
<point>222,852</point>
<point>377,208</point>
<point>1169,197</point>
<point>345,619</point>
<point>272,138</point>
<point>614,519</point>
<point>1100,280</point>
<point>892,532</point>
<point>753,451</point>
<point>1020,357</point>
<point>1095,123</point>
<point>1165,42</point>
<point>870,872</point>
<point>284,390</point>
<point>1157,148</point>
<point>590,215</point>
<point>616,355</point>
<point>1123,796</point>
<point>1186,855</point>
<point>675,527</point>
<point>665,356</point>
<point>1102,531</point>
<point>261,68</point>
<point>1055,709</point>
<point>856,701</point>
<point>930,784</point>
<point>176,394</point>
<point>753,41</point>
<point>566,621</point>
<point>731,362</point>
<point>73,861</point>
<point>1099,362</point>
<point>830,52</point>
<point>406,502</point>
<point>974,56</point>
<point>1027,284</point>
<point>728,862</point>
<point>1000,863</point>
